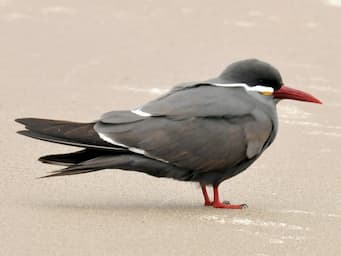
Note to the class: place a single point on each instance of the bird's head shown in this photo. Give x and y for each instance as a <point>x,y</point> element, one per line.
<point>262,77</point>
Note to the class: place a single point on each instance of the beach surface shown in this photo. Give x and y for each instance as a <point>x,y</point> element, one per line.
<point>74,60</point>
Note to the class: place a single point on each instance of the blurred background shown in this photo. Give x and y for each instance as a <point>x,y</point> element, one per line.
<point>75,60</point>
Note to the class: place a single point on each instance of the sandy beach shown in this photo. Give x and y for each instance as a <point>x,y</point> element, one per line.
<point>75,60</point>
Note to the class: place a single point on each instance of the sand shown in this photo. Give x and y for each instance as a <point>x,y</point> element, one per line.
<point>75,60</point>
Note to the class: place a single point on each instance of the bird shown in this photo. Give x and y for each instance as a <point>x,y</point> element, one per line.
<point>204,132</point>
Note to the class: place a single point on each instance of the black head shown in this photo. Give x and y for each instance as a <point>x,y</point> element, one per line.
<point>253,72</point>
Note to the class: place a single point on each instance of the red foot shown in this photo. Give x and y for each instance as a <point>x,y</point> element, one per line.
<point>216,202</point>
<point>228,206</point>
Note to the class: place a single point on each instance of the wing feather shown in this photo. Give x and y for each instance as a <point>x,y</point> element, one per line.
<point>203,128</point>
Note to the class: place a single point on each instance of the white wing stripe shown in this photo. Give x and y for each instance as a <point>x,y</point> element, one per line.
<point>111,141</point>
<point>257,88</point>
<point>139,112</point>
<point>132,149</point>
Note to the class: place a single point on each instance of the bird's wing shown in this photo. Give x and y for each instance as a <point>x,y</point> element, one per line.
<point>203,128</point>
<point>199,100</point>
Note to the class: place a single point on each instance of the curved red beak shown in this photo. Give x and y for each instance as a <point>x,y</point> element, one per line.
<point>286,92</point>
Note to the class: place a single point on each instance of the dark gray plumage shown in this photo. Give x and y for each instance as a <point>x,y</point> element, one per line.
<point>205,132</point>
<point>187,126</point>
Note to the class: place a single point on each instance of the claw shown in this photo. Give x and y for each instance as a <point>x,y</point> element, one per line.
<point>244,206</point>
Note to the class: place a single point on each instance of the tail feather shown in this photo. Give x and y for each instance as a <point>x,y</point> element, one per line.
<point>64,132</point>
<point>95,164</point>
<point>98,154</point>
<point>126,161</point>
<point>73,158</point>
<point>64,172</point>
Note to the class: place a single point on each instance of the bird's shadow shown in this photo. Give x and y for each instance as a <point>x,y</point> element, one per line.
<point>116,207</point>
<point>142,209</point>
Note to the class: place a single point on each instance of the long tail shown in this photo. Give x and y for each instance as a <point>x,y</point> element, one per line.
<point>77,157</point>
<point>126,161</point>
<point>64,132</point>
<point>97,154</point>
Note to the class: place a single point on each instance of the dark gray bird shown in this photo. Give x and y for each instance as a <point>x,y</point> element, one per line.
<point>203,132</point>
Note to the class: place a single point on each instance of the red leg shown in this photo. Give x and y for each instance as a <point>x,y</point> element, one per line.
<point>218,204</point>
<point>205,194</point>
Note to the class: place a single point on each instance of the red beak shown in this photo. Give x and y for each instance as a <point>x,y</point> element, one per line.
<point>286,92</point>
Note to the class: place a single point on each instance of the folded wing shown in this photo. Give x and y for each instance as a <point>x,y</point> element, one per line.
<point>202,128</point>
